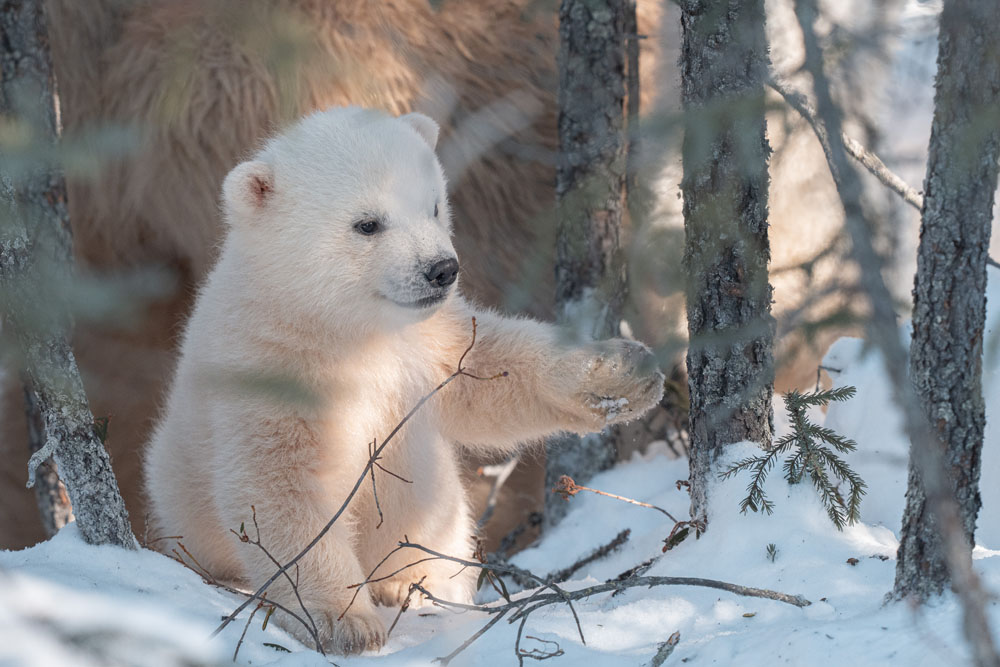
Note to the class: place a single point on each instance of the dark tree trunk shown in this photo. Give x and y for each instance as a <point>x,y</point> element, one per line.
<point>949,301</point>
<point>724,65</point>
<point>590,192</point>
<point>35,262</point>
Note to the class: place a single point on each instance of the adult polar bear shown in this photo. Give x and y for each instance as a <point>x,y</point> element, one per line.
<point>337,277</point>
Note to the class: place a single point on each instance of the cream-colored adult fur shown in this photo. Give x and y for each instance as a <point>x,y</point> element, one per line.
<point>310,339</point>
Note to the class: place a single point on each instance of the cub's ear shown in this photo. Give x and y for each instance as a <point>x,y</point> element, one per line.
<point>424,126</point>
<point>248,188</point>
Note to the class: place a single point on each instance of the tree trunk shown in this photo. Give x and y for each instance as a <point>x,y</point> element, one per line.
<point>35,259</point>
<point>590,193</point>
<point>724,65</point>
<point>949,301</point>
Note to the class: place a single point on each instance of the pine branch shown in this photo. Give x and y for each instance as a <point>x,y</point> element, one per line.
<point>811,456</point>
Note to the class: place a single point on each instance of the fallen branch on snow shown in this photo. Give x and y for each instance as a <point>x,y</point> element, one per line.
<point>548,593</point>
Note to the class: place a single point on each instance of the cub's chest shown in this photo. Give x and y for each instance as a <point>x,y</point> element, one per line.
<point>366,402</point>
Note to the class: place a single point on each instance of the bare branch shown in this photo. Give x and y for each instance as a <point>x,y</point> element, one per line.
<point>247,626</point>
<point>243,537</point>
<point>868,159</point>
<point>598,553</point>
<point>403,607</point>
<point>210,579</point>
<point>519,610</point>
<point>567,487</point>
<point>283,569</point>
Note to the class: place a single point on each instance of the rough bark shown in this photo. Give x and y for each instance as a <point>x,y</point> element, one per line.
<point>34,274</point>
<point>949,301</point>
<point>724,66</point>
<point>54,507</point>
<point>590,193</point>
<point>926,451</point>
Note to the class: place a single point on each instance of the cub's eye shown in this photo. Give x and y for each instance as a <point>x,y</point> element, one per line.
<point>435,210</point>
<point>367,227</point>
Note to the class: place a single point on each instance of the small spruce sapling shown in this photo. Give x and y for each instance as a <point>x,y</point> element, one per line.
<point>812,455</point>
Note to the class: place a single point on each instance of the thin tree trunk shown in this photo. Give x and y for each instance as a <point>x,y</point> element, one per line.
<point>724,66</point>
<point>590,192</point>
<point>35,260</point>
<point>949,306</point>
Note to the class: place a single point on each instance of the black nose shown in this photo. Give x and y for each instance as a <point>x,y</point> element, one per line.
<point>442,273</point>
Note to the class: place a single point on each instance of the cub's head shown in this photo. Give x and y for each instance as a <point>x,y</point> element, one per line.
<point>344,216</point>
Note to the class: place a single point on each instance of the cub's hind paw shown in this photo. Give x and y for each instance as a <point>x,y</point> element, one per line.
<point>355,633</point>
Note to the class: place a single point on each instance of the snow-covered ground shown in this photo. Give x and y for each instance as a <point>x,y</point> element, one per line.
<point>64,602</point>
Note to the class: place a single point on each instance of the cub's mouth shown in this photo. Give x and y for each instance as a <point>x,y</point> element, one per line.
<point>425,302</point>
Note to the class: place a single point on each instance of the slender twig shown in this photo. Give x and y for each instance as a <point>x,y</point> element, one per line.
<point>536,653</point>
<point>243,537</point>
<point>283,569</point>
<point>566,487</point>
<point>199,568</point>
<point>598,553</point>
<point>468,642</point>
<point>210,579</point>
<point>375,464</point>
<point>247,626</point>
<point>852,147</point>
<point>389,472</point>
<point>525,607</point>
<point>868,159</point>
<point>517,642</point>
<point>371,469</point>
<point>403,607</point>
<point>650,582</point>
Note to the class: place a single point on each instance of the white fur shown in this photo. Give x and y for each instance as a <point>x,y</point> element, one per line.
<point>301,351</point>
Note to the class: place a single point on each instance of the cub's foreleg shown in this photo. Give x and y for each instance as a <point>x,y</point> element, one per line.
<point>550,385</point>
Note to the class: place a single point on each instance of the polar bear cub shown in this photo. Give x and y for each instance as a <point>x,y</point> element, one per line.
<point>332,309</point>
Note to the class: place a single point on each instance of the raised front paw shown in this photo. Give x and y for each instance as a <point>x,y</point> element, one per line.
<point>621,382</point>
